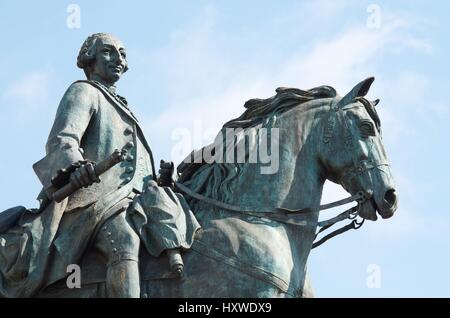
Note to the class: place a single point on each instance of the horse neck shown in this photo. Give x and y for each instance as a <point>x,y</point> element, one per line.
<point>298,182</point>
<point>307,182</point>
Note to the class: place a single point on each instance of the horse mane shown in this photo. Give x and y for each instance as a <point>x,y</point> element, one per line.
<point>214,180</point>
<point>286,98</point>
<point>257,110</point>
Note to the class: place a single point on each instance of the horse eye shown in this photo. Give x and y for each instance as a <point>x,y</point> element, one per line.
<point>367,129</point>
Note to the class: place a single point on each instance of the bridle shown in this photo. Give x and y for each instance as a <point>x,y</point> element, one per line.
<point>287,216</point>
<point>359,167</point>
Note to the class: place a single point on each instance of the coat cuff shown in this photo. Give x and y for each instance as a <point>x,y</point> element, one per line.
<point>47,167</point>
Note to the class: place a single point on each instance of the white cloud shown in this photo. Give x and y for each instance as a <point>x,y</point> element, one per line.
<point>206,84</point>
<point>210,86</point>
<point>440,109</point>
<point>399,103</point>
<point>419,44</point>
<point>30,90</point>
<point>349,56</point>
<point>210,83</point>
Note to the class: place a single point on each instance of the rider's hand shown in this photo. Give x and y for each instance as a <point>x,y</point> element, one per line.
<point>84,176</point>
<point>166,174</point>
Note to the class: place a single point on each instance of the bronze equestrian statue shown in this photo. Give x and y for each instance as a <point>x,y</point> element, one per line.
<point>259,219</point>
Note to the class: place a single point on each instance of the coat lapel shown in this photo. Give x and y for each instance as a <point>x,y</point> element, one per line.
<point>118,105</point>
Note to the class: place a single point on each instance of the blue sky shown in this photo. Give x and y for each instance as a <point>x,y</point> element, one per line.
<point>194,63</point>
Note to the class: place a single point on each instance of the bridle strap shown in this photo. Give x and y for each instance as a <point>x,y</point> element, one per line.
<point>353,225</point>
<point>362,167</point>
<point>358,197</point>
<point>351,214</point>
<point>287,217</point>
<point>233,208</point>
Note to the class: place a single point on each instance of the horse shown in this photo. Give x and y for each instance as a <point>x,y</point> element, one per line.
<point>252,242</point>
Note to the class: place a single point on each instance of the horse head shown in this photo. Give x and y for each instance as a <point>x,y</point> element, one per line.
<point>353,154</point>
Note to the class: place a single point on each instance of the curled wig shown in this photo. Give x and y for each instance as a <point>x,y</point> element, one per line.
<point>86,56</point>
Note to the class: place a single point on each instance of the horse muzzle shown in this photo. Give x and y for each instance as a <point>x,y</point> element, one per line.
<point>388,204</point>
<point>385,204</point>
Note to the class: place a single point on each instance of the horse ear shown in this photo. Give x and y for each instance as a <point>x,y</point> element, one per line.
<point>360,90</point>
<point>375,102</point>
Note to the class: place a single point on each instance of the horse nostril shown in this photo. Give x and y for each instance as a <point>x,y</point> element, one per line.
<point>390,197</point>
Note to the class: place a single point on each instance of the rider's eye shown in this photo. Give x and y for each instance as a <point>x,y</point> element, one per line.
<point>367,129</point>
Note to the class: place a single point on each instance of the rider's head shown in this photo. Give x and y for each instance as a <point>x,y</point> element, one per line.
<point>103,58</point>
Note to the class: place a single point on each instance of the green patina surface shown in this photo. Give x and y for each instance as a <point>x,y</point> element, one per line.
<point>118,229</point>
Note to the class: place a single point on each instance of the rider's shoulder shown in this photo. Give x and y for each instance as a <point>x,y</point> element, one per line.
<point>80,94</point>
<point>82,87</point>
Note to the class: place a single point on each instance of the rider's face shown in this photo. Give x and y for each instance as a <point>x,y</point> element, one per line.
<point>110,61</point>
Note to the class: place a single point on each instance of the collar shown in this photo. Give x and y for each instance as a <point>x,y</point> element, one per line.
<point>112,90</point>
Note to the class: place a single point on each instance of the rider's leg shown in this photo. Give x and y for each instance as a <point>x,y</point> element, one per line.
<point>120,244</point>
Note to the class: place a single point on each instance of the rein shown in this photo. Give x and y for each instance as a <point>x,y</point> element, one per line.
<point>287,216</point>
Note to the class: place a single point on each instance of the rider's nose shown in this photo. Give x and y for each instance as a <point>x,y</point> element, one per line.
<point>121,59</point>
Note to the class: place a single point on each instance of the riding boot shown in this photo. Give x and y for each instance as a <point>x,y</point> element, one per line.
<point>122,278</point>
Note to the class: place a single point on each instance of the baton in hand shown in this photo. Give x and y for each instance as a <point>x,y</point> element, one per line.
<point>100,168</point>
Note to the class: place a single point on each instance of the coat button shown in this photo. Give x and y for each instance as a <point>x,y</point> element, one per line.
<point>129,169</point>
<point>130,158</point>
<point>129,145</point>
<point>128,131</point>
